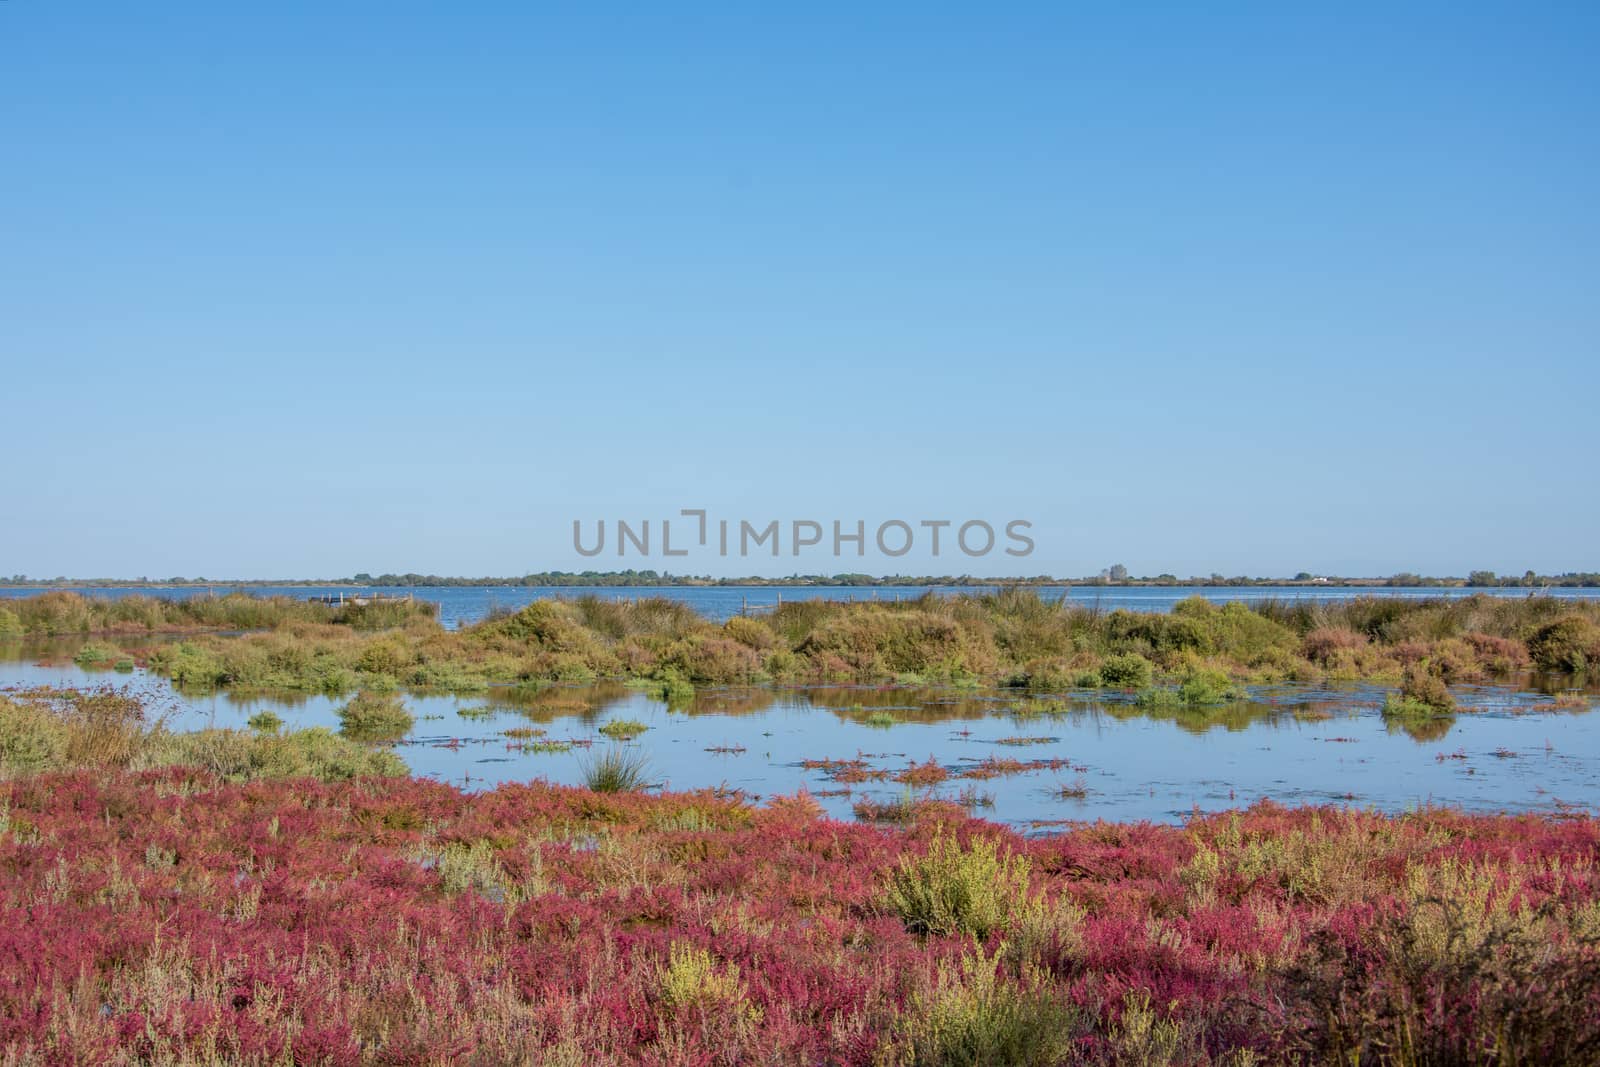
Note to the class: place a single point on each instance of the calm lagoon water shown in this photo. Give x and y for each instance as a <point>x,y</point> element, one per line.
<point>459,605</point>
<point>1295,744</point>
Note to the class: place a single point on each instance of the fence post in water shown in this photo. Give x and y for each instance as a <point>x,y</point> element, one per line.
<point>744,604</point>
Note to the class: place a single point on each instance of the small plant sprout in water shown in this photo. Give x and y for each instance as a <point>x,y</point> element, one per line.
<point>97,654</point>
<point>1077,789</point>
<point>623,729</point>
<point>265,722</point>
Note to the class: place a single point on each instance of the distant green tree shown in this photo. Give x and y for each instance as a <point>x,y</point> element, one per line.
<point>1482,578</point>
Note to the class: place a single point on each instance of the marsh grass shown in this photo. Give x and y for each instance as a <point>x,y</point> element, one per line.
<point>973,1016</point>
<point>616,770</point>
<point>106,731</point>
<point>57,613</point>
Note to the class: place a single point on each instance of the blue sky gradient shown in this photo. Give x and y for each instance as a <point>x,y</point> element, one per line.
<point>304,290</point>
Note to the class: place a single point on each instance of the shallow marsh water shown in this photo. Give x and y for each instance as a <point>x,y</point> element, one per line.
<point>1093,754</point>
<point>1096,754</point>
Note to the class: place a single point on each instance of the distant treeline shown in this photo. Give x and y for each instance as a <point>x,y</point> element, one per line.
<point>1113,576</point>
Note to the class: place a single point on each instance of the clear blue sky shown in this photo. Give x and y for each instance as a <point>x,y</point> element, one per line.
<point>303,289</point>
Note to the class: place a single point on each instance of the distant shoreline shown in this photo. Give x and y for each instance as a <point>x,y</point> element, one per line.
<point>647,579</point>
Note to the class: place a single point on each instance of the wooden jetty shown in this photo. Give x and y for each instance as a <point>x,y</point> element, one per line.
<point>342,598</point>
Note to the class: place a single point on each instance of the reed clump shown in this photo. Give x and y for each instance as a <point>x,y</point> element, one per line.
<point>616,770</point>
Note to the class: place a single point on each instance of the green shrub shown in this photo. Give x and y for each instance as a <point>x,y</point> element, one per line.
<point>974,1018</point>
<point>781,664</point>
<point>623,729</point>
<point>1158,697</point>
<point>375,717</point>
<point>1568,644</point>
<point>751,632</point>
<point>1143,1037</point>
<point>956,890</point>
<point>1049,677</point>
<point>450,677</point>
<point>97,654</point>
<point>1127,671</point>
<point>1404,710</point>
<point>1422,685</point>
<point>386,655</point>
<point>10,624</point>
<point>32,738</point>
<point>321,753</point>
<point>669,686</point>
<point>190,666</point>
<point>229,754</point>
<point>709,660</point>
<point>1204,686</point>
<point>692,979</point>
